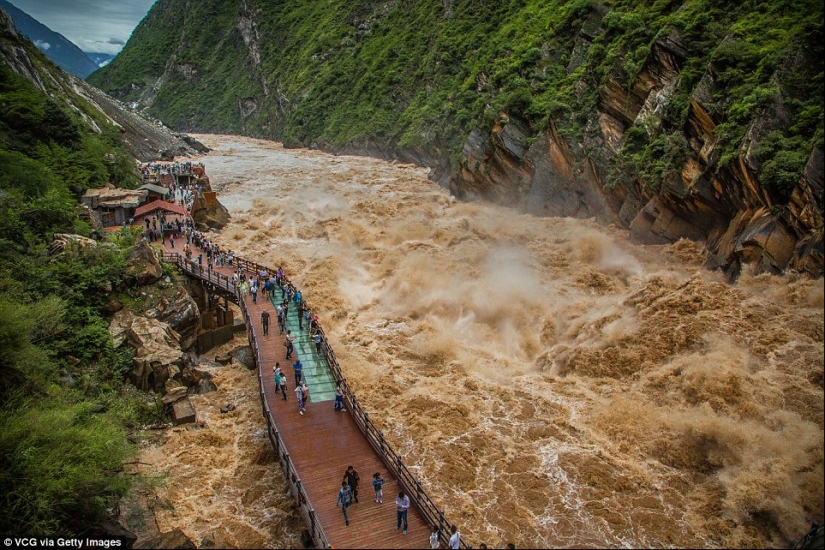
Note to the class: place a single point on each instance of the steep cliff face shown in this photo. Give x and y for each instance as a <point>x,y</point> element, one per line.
<point>741,219</point>
<point>674,120</point>
<point>147,139</point>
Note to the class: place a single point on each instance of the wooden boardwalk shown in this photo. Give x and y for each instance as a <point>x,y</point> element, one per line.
<point>315,448</point>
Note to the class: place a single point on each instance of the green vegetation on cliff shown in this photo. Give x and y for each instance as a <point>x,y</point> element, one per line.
<point>64,412</point>
<point>423,74</point>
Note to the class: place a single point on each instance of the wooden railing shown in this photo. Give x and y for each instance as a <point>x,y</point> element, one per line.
<point>393,460</point>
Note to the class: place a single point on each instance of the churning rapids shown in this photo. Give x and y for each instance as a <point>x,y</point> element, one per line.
<point>550,382</point>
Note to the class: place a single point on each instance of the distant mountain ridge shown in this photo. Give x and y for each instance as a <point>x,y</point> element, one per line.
<point>54,45</point>
<point>689,119</point>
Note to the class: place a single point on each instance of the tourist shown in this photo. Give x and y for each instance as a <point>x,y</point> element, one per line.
<point>288,339</point>
<point>281,319</point>
<point>308,317</point>
<point>455,538</point>
<point>278,374</point>
<point>299,393</point>
<point>316,337</point>
<point>265,321</point>
<point>344,499</point>
<point>435,536</point>
<point>339,398</point>
<point>253,288</point>
<point>300,316</point>
<point>305,393</point>
<point>377,484</point>
<point>402,504</point>
<point>283,385</point>
<point>299,371</point>
<point>352,478</point>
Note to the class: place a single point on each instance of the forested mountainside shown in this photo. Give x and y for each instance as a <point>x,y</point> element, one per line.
<point>691,118</point>
<point>65,415</point>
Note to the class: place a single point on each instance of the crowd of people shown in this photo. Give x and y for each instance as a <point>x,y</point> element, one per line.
<point>153,170</point>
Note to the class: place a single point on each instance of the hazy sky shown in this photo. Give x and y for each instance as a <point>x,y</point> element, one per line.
<point>94,25</point>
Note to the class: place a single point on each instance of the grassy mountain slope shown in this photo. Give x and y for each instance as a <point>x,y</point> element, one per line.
<point>707,113</point>
<point>422,72</point>
<point>64,413</point>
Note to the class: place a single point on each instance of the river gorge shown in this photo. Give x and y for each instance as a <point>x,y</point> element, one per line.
<point>550,382</point>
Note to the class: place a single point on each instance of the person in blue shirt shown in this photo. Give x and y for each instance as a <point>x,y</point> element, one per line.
<point>299,371</point>
<point>377,484</point>
<point>344,499</point>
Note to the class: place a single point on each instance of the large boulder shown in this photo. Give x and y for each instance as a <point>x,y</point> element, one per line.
<point>158,356</point>
<point>181,313</point>
<point>142,265</point>
<point>207,211</point>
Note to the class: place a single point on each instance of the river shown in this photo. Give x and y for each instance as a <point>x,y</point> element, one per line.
<point>551,383</point>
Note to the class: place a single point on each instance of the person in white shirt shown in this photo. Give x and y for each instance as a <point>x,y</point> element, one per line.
<point>434,542</point>
<point>455,538</point>
<point>402,504</point>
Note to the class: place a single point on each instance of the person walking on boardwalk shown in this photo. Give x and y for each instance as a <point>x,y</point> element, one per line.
<point>288,339</point>
<point>265,321</point>
<point>299,371</point>
<point>278,374</point>
<point>455,537</point>
<point>339,398</point>
<point>253,289</point>
<point>402,505</point>
<point>283,385</point>
<point>299,393</point>
<point>378,484</point>
<point>344,499</point>
<point>281,319</point>
<point>352,478</point>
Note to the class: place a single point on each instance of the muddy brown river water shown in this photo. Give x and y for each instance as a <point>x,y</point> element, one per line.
<point>551,383</point>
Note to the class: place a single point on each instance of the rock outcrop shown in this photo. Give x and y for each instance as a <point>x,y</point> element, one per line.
<point>143,266</point>
<point>207,212</point>
<point>739,219</point>
<point>158,356</point>
<point>182,315</point>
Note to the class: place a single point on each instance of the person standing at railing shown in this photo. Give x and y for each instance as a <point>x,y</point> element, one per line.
<point>300,315</point>
<point>402,505</point>
<point>455,537</point>
<point>344,499</point>
<point>316,337</point>
<point>435,538</point>
<point>339,398</point>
